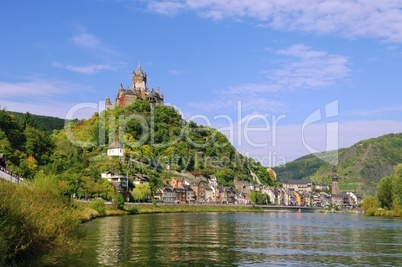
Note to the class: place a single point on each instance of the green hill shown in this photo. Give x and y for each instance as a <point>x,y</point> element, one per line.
<point>157,142</point>
<point>360,166</point>
<point>46,122</point>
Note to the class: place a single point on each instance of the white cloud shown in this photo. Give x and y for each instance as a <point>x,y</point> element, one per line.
<point>301,68</point>
<point>308,68</point>
<point>88,69</point>
<point>34,87</point>
<point>178,72</point>
<point>44,97</point>
<point>377,111</point>
<point>55,108</point>
<point>92,43</point>
<point>86,40</point>
<point>359,18</point>
<point>169,8</point>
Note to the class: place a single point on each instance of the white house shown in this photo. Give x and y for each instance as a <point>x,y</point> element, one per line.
<point>117,178</point>
<point>115,149</point>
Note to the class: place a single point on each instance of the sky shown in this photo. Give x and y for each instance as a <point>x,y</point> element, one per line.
<point>281,78</point>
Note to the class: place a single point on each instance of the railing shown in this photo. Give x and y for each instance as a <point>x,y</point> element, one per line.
<point>11,177</point>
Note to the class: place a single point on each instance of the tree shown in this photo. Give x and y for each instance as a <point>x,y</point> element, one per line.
<point>141,192</point>
<point>225,176</point>
<point>118,201</point>
<point>370,205</point>
<point>384,192</point>
<point>259,198</point>
<point>397,187</point>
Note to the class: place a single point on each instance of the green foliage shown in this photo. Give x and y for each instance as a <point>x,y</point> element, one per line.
<point>153,138</point>
<point>118,201</point>
<point>370,205</point>
<point>390,190</point>
<point>259,198</point>
<point>141,192</point>
<point>35,219</point>
<point>225,176</point>
<point>98,205</point>
<point>47,123</point>
<point>133,210</point>
<point>384,192</point>
<point>389,196</point>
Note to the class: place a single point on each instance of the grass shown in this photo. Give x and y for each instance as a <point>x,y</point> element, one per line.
<point>146,208</point>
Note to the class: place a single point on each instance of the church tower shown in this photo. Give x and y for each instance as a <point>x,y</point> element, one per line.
<point>335,185</point>
<point>139,79</point>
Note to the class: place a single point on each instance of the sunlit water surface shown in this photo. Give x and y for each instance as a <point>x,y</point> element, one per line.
<point>237,239</point>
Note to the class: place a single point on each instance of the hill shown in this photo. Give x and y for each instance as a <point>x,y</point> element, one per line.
<point>360,167</point>
<point>159,143</point>
<point>156,140</point>
<point>46,122</point>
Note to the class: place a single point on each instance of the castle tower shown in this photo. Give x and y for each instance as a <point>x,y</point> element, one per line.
<point>108,103</point>
<point>139,79</point>
<point>335,185</point>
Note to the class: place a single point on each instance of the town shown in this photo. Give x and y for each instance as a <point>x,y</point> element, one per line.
<point>206,190</point>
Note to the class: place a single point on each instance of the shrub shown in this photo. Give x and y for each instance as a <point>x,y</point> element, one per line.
<point>98,205</point>
<point>34,219</point>
<point>118,201</point>
<point>133,210</point>
<point>370,205</point>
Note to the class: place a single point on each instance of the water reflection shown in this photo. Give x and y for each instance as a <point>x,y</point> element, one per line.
<point>239,239</point>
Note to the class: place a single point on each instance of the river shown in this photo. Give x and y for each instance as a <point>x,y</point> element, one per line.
<point>237,239</point>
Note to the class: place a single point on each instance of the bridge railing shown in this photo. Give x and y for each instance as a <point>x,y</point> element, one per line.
<point>9,176</point>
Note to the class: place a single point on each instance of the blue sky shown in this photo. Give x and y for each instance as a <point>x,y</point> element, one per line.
<point>256,70</point>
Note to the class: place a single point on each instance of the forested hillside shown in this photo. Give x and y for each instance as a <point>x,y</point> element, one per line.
<point>360,166</point>
<point>46,123</point>
<point>157,141</point>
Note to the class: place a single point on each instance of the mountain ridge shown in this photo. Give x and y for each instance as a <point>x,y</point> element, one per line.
<point>360,166</point>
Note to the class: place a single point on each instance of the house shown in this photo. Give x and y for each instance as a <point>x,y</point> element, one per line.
<point>298,185</point>
<point>241,199</point>
<point>221,196</point>
<point>158,194</point>
<point>140,179</point>
<point>117,178</point>
<point>169,196</point>
<point>270,192</point>
<point>321,187</point>
<point>190,195</point>
<point>115,149</point>
<point>307,199</point>
<point>213,181</point>
<point>176,182</point>
<point>209,194</point>
<point>230,194</point>
<point>198,185</point>
<point>180,193</point>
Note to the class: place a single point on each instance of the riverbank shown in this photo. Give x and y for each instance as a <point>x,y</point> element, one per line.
<point>87,213</point>
<point>145,208</point>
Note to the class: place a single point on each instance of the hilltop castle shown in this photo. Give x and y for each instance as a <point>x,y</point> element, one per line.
<point>138,90</point>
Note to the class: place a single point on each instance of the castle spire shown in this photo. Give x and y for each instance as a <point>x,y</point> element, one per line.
<point>335,185</point>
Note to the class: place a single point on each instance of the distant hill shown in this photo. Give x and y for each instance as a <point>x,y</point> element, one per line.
<point>360,166</point>
<point>48,123</point>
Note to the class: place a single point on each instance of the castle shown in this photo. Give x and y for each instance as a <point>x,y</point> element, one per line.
<point>138,90</point>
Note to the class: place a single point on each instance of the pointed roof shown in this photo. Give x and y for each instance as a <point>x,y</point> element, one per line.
<point>139,71</point>
<point>115,144</point>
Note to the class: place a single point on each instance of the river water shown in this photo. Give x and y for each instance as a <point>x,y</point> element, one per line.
<point>238,239</point>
